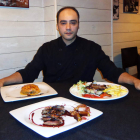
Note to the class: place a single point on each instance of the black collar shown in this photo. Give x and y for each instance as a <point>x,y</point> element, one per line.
<point>71,46</point>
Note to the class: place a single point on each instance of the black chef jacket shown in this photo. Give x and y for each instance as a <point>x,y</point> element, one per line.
<point>77,61</point>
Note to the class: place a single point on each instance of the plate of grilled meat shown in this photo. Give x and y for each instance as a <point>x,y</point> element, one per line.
<point>54,116</point>
<point>98,91</point>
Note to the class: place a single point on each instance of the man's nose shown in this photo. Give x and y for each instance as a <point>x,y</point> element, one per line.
<point>68,27</point>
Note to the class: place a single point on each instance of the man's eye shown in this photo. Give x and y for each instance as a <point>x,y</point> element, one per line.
<point>73,23</point>
<point>63,23</point>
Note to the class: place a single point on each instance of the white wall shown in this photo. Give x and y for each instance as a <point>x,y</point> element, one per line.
<point>23,31</point>
<point>21,34</point>
<point>126,33</point>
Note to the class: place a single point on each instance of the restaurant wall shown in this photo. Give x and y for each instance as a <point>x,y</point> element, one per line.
<point>21,34</point>
<point>23,31</point>
<point>126,33</point>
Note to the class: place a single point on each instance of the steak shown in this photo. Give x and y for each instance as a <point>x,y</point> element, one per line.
<point>51,115</point>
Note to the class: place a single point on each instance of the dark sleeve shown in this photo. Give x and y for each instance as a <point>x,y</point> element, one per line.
<point>32,70</point>
<point>107,67</point>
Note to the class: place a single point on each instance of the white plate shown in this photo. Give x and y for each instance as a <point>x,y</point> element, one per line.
<point>73,90</point>
<point>12,93</point>
<point>69,122</point>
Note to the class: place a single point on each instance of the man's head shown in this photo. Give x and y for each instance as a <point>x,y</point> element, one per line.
<point>67,7</point>
<point>68,24</point>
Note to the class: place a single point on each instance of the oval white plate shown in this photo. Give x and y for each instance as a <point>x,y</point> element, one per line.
<point>73,90</point>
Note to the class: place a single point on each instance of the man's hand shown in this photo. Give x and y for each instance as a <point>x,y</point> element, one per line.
<point>128,79</point>
<point>137,84</point>
<point>1,83</point>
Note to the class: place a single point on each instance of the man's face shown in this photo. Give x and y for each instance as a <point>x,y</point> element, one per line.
<point>68,25</point>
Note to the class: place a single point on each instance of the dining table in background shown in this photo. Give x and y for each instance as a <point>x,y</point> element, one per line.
<point>120,119</point>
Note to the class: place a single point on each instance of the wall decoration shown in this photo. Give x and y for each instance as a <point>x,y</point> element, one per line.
<point>115,9</point>
<point>15,3</point>
<point>130,6</point>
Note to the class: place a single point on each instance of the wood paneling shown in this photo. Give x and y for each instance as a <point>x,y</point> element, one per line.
<point>48,38</point>
<point>93,14</point>
<point>124,37</point>
<point>19,44</point>
<point>118,46</point>
<point>13,60</point>
<point>5,73</point>
<point>49,13</point>
<point>21,34</point>
<point>107,50</point>
<point>101,39</point>
<point>94,28</point>
<point>97,4</point>
<point>128,18</point>
<point>31,14</point>
<point>49,28</point>
<point>48,3</point>
<point>36,3</point>
<point>126,27</point>
<point>14,29</point>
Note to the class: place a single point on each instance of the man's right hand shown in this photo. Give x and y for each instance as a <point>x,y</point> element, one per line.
<point>1,83</point>
<point>12,79</point>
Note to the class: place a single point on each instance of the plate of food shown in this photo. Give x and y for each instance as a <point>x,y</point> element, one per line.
<point>54,116</point>
<point>26,91</point>
<point>98,91</point>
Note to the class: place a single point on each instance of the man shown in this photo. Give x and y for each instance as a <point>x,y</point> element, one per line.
<point>70,58</point>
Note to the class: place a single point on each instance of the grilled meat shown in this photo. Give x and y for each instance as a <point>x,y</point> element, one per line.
<point>83,110</point>
<point>97,87</point>
<point>79,111</point>
<point>51,115</point>
<point>76,115</point>
<point>54,121</point>
<point>94,88</point>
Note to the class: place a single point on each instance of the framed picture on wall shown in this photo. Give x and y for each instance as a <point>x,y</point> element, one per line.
<point>130,6</point>
<point>115,9</point>
<point>15,3</point>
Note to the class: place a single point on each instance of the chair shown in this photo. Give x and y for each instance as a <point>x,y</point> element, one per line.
<point>130,57</point>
